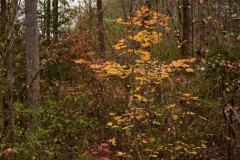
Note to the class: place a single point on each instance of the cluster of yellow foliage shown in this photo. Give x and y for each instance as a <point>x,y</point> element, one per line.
<point>143,29</point>
<point>146,74</point>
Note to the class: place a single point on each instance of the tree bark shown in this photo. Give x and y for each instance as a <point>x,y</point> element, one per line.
<point>135,5</point>
<point>90,14</point>
<point>32,58</point>
<point>101,29</point>
<point>7,100</point>
<point>55,20</point>
<point>193,29</point>
<point>44,20</point>
<point>48,23</point>
<point>187,22</point>
<point>2,15</point>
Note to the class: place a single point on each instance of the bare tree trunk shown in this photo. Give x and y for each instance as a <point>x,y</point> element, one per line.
<point>173,22</point>
<point>90,14</point>
<point>187,38</point>
<point>55,20</point>
<point>135,5</point>
<point>7,100</point>
<point>193,28</point>
<point>230,7</point>
<point>180,25</point>
<point>32,58</point>
<point>101,29</point>
<point>48,22</point>
<point>44,20</point>
<point>2,16</point>
<point>201,31</point>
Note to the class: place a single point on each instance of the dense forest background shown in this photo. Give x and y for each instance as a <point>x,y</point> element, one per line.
<point>120,79</point>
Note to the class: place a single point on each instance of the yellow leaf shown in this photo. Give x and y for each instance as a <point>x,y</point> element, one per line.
<point>178,148</point>
<point>138,13</point>
<point>95,66</point>
<point>112,114</point>
<point>79,61</point>
<point>120,154</point>
<point>194,152</point>
<point>144,9</point>
<point>148,150</point>
<point>117,47</point>
<point>139,117</point>
<point>154,155</point>
<point>175,117</point>
<point>137,23</point>
<point>122,41</point>
<point>116,118</point>
<point>190,70</point>
<point>192,60</point>
<point>152,139</point>
<point>167,29</point>
<point>113,141</point>
<point>115,126</point>
<point>146,44</point>
<point>138,88</point>
<point>140,98</point>
<point>190,113</point>
<point>186,94</point>
<point>171,106</point>
<point>145,55</point>
<point>209,17</point>
<point>109,124</point>
<point>144,141</point>
<point>119,20</point>
<point>194,98</point>
<point>203,146</point>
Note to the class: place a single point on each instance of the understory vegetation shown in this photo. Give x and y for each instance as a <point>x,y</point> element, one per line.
<point>141,97</point>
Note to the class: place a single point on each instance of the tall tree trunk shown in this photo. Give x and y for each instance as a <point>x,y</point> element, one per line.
<point>187,36</point>
<point>44,20</point>
<point>201,31</point>
<point>32,58</point>
<point>48,22</point>
<point>7,100</point>
<point>2,16</point>
<point>101,28</point>
<point>135,5</point>
<point>55,20</point>
<point>193,28</point>
<point>230,7</point>
<point>90,14</point>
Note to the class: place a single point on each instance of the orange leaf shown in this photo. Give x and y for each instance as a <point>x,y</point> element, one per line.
<point>79,61</point>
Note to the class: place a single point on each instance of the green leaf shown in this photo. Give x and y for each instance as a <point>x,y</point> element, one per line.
<point>228,34</point>
<point>238,38</point>
<point>43,132</point>
<point>49,152</point>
